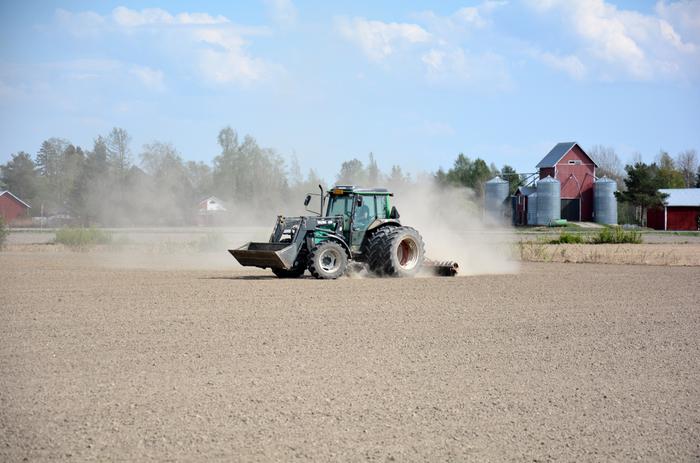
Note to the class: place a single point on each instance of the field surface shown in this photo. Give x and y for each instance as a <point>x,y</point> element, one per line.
<point>567,362</point>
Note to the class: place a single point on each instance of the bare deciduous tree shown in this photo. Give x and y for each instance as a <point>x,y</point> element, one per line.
<point>687,163</point>
<point>609,164</point>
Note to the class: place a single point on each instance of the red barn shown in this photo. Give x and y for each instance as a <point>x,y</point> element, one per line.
<point>575,170</point>
<point>12,207</point>
<point>681,210</point>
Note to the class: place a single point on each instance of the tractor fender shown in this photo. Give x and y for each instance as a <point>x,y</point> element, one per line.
<point>329,237</point>
<point>383,222</point>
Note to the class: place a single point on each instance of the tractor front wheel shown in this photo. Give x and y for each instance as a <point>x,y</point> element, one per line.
<point>328,261</point>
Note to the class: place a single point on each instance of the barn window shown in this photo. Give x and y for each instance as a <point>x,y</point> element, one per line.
<point>575,162</point>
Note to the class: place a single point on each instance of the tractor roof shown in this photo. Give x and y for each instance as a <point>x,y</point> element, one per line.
<point>354,189</point>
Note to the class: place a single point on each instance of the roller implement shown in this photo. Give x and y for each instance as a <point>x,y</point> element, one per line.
<point>360,229</point>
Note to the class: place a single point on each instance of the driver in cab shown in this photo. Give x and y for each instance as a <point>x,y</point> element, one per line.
<point>362,217</point>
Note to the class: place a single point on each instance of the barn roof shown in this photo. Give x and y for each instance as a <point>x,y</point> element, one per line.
<point>8,192</point>
<point>558,152</point>
<point>682,196</point>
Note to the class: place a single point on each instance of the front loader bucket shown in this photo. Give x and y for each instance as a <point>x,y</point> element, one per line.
<point>266,255</point>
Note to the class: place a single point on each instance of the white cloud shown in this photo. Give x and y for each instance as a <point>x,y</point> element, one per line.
<point>486,70</point>
<point>378,39</point>
<point>84,24</point>
<point>439,45</point>
<point>462,23</point>
<point>570,64</point>
<point>283,12</point>
<point>477,16</point>
<point>126,17</point>
<point>151,78</point>
<point>211,45</point>
<point>626,43</point>
<point>226,61</point>
<point>683,15</point>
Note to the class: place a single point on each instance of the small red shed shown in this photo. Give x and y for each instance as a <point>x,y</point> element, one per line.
<point>681,210</point>
<point>575,170</point>
<point>12,207</point>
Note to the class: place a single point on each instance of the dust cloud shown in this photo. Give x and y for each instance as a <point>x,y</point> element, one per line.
<point>450,220</point>
<point>453,227</point>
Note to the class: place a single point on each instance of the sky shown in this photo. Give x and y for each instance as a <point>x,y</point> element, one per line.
<point>416,83</point>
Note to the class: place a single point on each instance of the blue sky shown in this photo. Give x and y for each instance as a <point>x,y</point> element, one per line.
<point>414,82</point>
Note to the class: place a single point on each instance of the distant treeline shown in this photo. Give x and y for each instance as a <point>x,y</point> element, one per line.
<point>107,185</point>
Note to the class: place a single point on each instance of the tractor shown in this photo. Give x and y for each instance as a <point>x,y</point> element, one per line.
<point>360,229</point>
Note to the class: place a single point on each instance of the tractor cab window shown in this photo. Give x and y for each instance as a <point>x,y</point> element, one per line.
<point>382,207</point>
<point>340,205</point>
<point>366,213</point>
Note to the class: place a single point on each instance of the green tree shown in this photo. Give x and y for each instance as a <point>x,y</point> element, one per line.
<point>168,183</point>
<point>643,183</point>
<point>227,165</point>
<point>119,153</point>
<point>72,165</point>
<point>199,175</point>
<point>397,180</point>
<point>508,173</point>
<point>296,178</point>
<point>49,163</point>
<point>249,175</point>
<point>468,173</point>
<point>93,189</point>
<point>19,175</point>
<point>373,172</point>
<point>352,172</point>
<point>669,175</point>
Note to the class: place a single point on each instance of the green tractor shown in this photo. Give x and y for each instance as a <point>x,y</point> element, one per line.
<point>360,228</point>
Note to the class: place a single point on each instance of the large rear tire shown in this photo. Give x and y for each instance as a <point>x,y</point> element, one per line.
<point>328,261</point>
<point>396,252</point>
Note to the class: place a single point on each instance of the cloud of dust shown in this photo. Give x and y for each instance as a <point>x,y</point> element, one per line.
<point>178,248</point>
<point>453,227</point>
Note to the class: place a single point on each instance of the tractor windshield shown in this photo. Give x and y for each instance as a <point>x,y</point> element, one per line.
<point>340,205</point>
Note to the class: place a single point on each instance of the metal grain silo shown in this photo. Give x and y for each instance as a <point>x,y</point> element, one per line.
<point>548,201</point>
<point>532,209</point>
<point>604,201</point>
<point>496,193</point>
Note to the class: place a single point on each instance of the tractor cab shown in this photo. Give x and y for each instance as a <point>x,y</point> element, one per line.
<point>361,209</point>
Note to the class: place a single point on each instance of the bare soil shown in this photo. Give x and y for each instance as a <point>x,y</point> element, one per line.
<point>568,362</point>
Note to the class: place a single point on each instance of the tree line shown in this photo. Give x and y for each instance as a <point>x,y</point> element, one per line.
<point>109,185</point>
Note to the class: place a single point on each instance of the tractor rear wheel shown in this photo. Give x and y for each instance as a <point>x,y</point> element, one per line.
<point>328,261</point>
<point>396,252</point>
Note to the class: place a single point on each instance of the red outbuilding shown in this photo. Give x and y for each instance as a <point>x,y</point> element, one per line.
<point>12,207</point>
<point>681,210</point>
<point>575,170</point>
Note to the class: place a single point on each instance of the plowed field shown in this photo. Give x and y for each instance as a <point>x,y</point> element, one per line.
<point>572,362</point>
